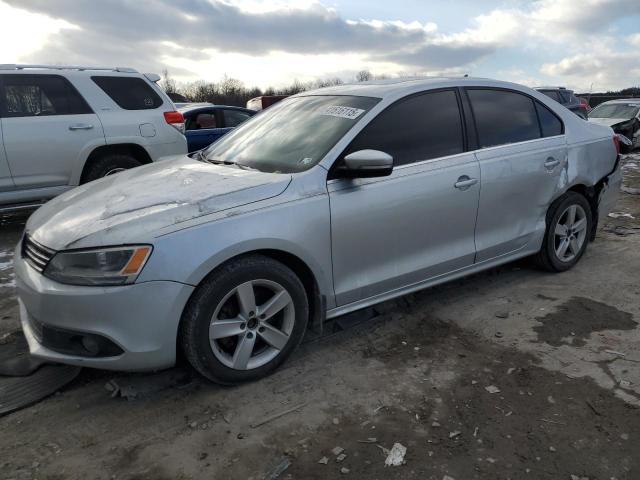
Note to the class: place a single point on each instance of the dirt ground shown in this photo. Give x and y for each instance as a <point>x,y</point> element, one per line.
<point>510,374</point>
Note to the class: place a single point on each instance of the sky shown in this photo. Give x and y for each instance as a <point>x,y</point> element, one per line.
<point>582,44</point>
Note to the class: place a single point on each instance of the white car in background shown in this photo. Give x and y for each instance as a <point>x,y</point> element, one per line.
<point>623,116</point>
<point>64,126</point>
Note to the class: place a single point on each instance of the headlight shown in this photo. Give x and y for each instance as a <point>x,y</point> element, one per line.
<point>105,266</point>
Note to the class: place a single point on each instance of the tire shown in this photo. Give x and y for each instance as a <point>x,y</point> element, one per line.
<point>216,310</point>
<point>550,256</point>
<point>109,164</point>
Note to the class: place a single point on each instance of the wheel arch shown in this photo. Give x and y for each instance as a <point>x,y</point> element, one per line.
<point>592,194</point>
<point>136,151</point>
<point>315,297</point>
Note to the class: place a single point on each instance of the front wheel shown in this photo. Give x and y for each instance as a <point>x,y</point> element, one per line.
<point>569,222</point>
<point>244,320</point>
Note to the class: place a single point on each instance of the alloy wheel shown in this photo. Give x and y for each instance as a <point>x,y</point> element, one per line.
<point>570,233</point>
<point>252,324</point>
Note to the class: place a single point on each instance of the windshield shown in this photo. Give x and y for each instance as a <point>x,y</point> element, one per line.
<point>614,110</point>
<point>292,135</point>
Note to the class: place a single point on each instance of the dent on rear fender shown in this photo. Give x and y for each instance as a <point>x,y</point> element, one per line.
<point>588,164</point>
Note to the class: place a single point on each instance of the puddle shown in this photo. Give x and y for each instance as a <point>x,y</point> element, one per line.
<point>578,318</point>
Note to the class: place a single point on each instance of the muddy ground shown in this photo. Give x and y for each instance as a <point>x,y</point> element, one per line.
<point>510,374</point>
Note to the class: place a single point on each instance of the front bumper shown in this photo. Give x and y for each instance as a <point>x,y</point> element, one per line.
<point>142,319</point>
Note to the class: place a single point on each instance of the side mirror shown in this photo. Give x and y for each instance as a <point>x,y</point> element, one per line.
<point>365,164</point>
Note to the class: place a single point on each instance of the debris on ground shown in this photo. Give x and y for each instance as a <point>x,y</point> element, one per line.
<point>396,455</point>
<point>492,389</point>
<point>337,450</point>
<point>323,460</point>
<point>502,314</point>
<point>341,457</point>
<point>613,352</point>
<point>275,416</point>
<point>344,470</point>
<point>278,470</point>
<point>138,386</point>
<point>454,434</point>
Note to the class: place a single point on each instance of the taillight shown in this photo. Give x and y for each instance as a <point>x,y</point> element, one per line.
<point>176,120</point>
<point>616,142</point>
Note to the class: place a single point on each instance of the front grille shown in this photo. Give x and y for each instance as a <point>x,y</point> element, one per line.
<point>36,255</point>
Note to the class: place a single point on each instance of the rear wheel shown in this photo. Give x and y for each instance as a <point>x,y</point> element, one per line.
<point>569,222</point>
<point>110,164</point>
<point>244,320</point>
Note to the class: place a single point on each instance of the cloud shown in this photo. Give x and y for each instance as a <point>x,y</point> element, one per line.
<point>146,31</point>
<point>278,40</point>
<point>605,69</point>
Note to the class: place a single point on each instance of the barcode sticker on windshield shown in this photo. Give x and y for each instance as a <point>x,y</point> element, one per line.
<point>342,112</point>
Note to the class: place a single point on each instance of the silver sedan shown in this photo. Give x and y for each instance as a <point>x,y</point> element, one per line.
<point>328,202</point>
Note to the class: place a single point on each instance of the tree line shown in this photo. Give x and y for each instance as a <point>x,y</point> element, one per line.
<point>231,91</point>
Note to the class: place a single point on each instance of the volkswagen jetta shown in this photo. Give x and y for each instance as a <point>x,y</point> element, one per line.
<point>328,202</point>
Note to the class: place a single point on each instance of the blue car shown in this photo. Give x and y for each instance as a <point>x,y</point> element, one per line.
<point>205,123</point>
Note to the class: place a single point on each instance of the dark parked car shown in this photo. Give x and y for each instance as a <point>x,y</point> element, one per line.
<point>566,98</point>
<point>623,116</point>
<point>206,123</point>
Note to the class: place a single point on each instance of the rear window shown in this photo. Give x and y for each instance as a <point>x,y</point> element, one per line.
<point>130,93</point>
<point>552,94</point>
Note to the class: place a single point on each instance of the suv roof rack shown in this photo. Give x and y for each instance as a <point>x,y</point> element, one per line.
<point>15,66</point>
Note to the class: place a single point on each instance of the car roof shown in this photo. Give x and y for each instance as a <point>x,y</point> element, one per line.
<point>552,88</point>
<point>630,101</point>
<point>396,87</point>
<point>207,106</point>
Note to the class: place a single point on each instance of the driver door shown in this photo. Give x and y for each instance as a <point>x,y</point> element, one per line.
<point>417,223</point>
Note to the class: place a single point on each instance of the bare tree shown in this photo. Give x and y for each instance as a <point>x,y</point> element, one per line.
<point>167,83</point>
<point>364,76</point>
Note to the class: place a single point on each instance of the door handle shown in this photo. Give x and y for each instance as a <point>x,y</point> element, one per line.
<point>551,163</point>
<point>80,126</point>
<point>465,182</point>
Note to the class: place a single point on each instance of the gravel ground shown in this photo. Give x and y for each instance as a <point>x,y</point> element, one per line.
<point>509,374</point>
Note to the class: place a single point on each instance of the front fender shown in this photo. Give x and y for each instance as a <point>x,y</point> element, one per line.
<point>300,228</point>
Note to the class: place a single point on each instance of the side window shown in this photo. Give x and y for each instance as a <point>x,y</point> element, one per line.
<point>130,93</point>
<point>415,129</point>
<point>41,95</point>
<point>503,117</point>
<point>551,125</point>
<point>233,118</point>
<point>205,121</point>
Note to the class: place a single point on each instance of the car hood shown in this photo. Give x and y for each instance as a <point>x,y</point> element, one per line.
<point>608,122</point>
<point>131,205</point>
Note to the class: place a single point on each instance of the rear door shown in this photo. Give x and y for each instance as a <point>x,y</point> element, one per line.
<point>46,127</point>
<point>417,223</point>
<point>522,154</point>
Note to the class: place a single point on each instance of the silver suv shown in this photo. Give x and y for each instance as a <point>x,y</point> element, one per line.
<point>64,126</point>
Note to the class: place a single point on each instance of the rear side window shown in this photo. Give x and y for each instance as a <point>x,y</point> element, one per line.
<point>417,128</point>
<point>503,117</point>
<point>551,125</point>
<point>233,118</point>
<point>40,95</point>
<point>130,93</point>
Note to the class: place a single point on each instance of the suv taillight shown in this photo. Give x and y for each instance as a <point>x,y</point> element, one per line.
<point>176,120</point>
<point>616,142</point>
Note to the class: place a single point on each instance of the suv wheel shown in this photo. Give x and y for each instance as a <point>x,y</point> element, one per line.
<point>244,320</point>
<point>569,222</point>
<point>110,164</point>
